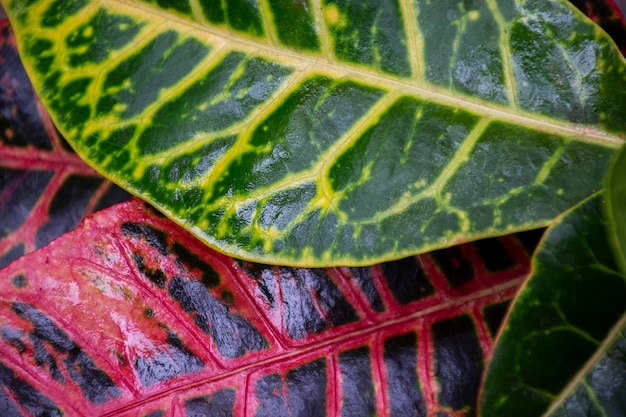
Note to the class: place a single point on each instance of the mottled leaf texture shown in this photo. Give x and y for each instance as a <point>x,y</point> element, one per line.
<point>599,391</point>
<point>128,315</point>
<point>561,322</point>
<point>45,189</point>
<point>333,132</point>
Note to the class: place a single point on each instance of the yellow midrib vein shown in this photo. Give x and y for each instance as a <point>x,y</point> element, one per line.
<point>428,92</point>
<point>408,86</point>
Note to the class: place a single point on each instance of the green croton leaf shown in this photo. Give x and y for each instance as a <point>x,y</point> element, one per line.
<point>616,209</point>
<point>333,132</point>
<point>562,322</point>
<point>601,391</point>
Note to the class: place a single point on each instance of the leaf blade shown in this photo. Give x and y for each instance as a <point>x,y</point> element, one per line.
<point>594,394</point>
<point>548,339</point>
<point>596,389</point>
<point>45,189</point>
<point>616,202</point>
<point>162,323</point>
<point>278,144</point>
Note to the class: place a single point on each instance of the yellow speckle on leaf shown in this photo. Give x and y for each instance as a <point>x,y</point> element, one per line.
<point>473,15</point>
<point>273,232</point>
<point>88,31</point>
<point>327,256</point>
<point>307,254</point>
<point>332,15</point>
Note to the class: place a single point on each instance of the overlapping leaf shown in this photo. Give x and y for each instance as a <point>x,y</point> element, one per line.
<point>560,318</point>
<point>599,386</point>
<point>601,390</point>
<point>200,403</point>
<point>45,189</point>
<point>128,315</point>
<point>390,290</point>
<point>345,132</point>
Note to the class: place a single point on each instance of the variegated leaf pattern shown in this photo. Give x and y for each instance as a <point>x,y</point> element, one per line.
<point>339,132</point>
<point>148,322</point>
<point>550,341</point>
<point>598,388</point>
<point>45,189</point>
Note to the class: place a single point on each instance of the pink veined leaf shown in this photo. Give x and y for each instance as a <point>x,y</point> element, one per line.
<point>129,315</point>
<point>45,189</point>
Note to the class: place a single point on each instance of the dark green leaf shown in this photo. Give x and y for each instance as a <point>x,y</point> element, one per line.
<point>563,317</point>
<point>601,392</point>
<point>334,132</point>
<point>616,209</point>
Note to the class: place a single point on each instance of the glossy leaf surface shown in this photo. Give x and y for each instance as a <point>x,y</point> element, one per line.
<point>45,189</point>
<point>344,132</point>
<point>564,316</point>
<point>601,392</point>
<point>130,316</point>
<point>466,273</point>
<point>601,389</point>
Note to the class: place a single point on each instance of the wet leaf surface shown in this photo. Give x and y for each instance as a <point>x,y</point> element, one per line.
<point>45,189</point>
<point>561,322</point>
<point>390,291</point>
<point>367,131</point>
<point>463,267</point>
<point>130,315</point>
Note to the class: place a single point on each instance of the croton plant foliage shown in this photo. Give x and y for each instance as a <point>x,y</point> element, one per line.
<point>310,133</point>
<point>130,315</point>
<point>333,132</point>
